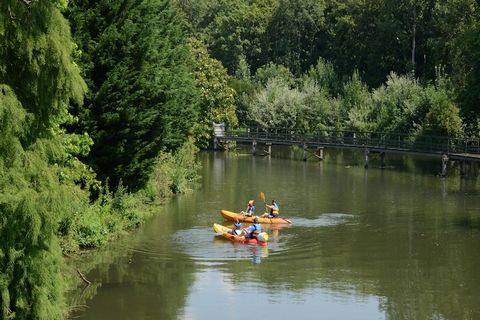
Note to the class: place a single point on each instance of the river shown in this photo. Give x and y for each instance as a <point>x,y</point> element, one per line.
<point>394,243</point>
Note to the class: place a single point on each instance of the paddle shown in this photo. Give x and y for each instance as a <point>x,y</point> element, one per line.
<point>262,196</point>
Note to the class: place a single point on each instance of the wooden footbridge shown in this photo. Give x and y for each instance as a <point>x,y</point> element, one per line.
<point>462,150</point>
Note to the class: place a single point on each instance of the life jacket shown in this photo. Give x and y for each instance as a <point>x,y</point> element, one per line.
<point>275,210</point>
<point>255,229</point>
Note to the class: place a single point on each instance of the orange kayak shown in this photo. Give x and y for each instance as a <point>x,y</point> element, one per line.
<point>232,216</point>
<point>225,232</point>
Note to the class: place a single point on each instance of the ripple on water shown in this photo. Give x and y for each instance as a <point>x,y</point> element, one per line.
<point>202,245</point>
<point>290,242</point>
<point>305,239</point>
<point>324,220</point>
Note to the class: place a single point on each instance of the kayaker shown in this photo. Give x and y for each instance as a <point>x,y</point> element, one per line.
<point>250,211</point>
<point>274,210</point>
<point>253,230</point>
<point>237,228</point>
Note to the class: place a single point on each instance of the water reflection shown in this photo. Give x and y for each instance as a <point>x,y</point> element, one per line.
<point>390,244</point>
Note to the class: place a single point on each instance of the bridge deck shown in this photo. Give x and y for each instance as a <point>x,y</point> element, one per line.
<point>374,141</point>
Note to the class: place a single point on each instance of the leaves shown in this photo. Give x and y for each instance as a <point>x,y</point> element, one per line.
<point>144,93</point>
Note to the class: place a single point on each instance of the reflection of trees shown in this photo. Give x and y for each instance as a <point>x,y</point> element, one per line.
<point>130,284</point>
<point>419,276</point>
<point>409,243</point>
<point>403,244</point>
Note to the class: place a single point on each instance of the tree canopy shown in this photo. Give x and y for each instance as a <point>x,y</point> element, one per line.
<point>143,95</point>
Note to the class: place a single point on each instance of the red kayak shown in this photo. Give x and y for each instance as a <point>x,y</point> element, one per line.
<point>225,232</point>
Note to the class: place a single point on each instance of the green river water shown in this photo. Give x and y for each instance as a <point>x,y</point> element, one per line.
<point>395,243</point>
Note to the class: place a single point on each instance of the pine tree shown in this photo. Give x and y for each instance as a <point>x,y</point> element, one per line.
<point>143,96</point>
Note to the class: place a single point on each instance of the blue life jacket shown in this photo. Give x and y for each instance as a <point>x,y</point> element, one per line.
<point>256,227</point>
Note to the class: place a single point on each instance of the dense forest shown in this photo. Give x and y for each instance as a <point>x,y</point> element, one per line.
<point>104,103</point>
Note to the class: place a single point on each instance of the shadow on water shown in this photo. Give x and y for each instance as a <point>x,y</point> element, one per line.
<point>468,223</point>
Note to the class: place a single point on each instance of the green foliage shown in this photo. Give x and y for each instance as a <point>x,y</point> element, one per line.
<point>174,173</point>
<point>216,96</point>
<point>36,61</point>
<point>38,80</point>
<point>244,87</point>
<point>185,171</point>
<point>273,71</point>
<point>443,116</point>
<point>294,34</point>
<point>31,205</point>
<point>400,105</point>
<point>144,97</point>
<point>282,104</point>
<point>356,105</point>
<point>237,30</point>
<point>324,76</point>
<point>468,79</point>
<point>102,221</point>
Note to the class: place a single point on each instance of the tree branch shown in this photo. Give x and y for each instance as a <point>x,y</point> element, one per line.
<point>12,17</point>
<point>83,278</point>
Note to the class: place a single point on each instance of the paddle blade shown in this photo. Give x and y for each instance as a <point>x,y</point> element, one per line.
<point>262,196</point>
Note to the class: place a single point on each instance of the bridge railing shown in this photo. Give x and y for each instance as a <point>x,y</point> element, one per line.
<point>380,140</point>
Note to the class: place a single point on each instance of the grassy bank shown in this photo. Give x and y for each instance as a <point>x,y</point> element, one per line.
<point>91,225</point>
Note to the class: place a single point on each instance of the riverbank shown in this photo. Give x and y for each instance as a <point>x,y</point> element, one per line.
<point>116,214</point>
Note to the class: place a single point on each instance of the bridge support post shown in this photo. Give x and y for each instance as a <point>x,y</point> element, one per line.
<point>254,147</point>
<point>269,148</point>
<point>463,168</point>
<point>366,158</point>
<point>305,152</point>
<point>444,165</point>
<point>319,153</point>
<point>218,132</point>
<point>382,159</point>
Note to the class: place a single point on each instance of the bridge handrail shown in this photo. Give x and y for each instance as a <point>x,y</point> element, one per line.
<point>383,140</point>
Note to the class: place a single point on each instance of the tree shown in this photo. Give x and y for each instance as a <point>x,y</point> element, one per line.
<point>356,105</point>
<point>144,97</point>
<point>38,80</point>
<point>281,101</point>
<point>443,116</point>
<point>400,105</point>
<point>467,78</point>
<point>238,31</point>
<point>323,74</point>
<point>295,35</point>
<point>216,96</point>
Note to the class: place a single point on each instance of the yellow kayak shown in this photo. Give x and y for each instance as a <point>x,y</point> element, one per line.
<point>225,232</point>
<point>232,216</point>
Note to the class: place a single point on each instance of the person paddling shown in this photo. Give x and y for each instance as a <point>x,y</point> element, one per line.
<point>253,230</point>
<point>274,210</point>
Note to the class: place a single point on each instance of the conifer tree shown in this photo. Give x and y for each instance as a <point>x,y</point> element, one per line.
<point>143,97</point>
